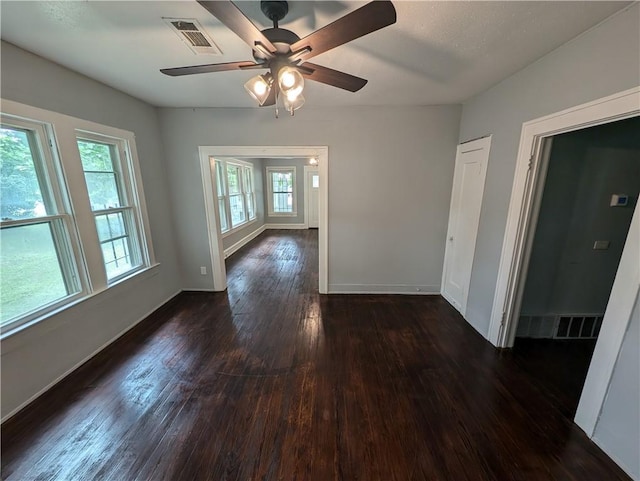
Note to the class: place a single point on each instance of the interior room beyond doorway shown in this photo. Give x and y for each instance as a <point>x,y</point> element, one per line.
<point>590,193</point>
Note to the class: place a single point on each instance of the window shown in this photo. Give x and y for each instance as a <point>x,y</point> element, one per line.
<point>61,241</point>
<point>110,203</point>
<point>38,269</point>
<point>281,183</point>
<point>235,192</point>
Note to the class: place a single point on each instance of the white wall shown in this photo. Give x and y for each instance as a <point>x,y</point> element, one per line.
<point>600,62</point>
<point>618,429</point>
<point>390,174</point>
<point>36,357</point>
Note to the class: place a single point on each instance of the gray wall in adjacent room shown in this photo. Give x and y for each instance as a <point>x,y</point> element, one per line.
<point>566,275</point>
<point>390,177</point>
<point>34,358</point>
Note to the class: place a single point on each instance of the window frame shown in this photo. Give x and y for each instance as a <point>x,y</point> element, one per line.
<point>224,199</point>
<point>270,193</point>
<point>60,220</point>
<point>125,184</point>
<point>57,138</point>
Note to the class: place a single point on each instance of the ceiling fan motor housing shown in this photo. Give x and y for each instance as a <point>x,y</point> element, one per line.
<point>275,10</point>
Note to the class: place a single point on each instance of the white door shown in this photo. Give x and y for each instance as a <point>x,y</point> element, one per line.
<point>313,189</point>
<point>464,217</point>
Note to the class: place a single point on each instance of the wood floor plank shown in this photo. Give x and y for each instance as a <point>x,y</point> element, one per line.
<point>271,381</point>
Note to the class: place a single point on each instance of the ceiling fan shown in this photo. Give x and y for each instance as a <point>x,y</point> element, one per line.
<point>286,55</point>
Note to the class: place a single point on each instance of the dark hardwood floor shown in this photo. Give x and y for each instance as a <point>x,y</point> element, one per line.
<point>559,367</point>
<point>270,381</point>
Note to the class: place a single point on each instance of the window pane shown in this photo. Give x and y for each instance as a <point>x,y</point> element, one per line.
<point>117,258</point>
<point>282,181</point>
<point>21,193</point>
<point>233,179</point>
<point>100,174</point>
<point>115,242</point>
<point>31,274</point>
<point>96,157</point>
<point>110,226</point>
<point>282,202</point>
<point>248,180</point>
<point>251,206</point>
<point>103,190</point>
<point>237,209</point>
<point>315,181</point>
<point>220,178</point>
<point>224,225</point>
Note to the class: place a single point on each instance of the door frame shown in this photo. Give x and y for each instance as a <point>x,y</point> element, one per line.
<point>207,155</point>
<point>519,230</point>
<point>306,171</point>
<point>464,147</point>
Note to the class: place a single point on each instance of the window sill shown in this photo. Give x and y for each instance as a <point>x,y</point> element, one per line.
<point>141,274</point>
<point>238,228</point>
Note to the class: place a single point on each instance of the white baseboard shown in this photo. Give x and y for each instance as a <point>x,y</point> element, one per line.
<point>286,226</point>
<point>245,240</point>
<point>80,363</point>
<point>384,289</point>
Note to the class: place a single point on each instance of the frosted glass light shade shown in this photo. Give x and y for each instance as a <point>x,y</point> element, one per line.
<point>259,87</point>
<point>291,82</point>
<point>293,104</point>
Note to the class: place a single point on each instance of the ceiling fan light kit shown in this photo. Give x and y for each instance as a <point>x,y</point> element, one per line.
<point>285,55</point>
<point>259,87</point>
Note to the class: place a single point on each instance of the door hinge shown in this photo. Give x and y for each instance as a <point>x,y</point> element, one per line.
<point>530,164</point>
<point>503,319</point>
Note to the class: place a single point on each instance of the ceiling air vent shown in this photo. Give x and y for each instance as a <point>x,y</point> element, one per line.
<point>193,35</point>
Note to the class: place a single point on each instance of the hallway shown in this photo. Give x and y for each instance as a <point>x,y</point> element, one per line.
<point>271,381</point>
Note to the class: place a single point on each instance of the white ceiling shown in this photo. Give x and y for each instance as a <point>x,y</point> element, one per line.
<point>436,53</point>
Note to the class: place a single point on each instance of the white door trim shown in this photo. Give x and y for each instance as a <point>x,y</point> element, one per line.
<point>307,169</point>
<point>215,239</point>
<point>466,147</point>
<point>527,173</point>
<point>624,292</point>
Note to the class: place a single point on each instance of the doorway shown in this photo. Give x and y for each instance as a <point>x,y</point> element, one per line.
<point>208,154</point>
<point>625,289</point>
<point>588,192</point>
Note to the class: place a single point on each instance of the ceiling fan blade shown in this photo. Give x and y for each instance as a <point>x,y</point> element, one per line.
<point>211,67</point>
<point>238,23</point>
<point>369,18</point>
<point>332,77</point>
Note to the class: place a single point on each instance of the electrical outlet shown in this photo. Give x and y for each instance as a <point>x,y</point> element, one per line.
<point>600,245</point>
<point>203,270</point>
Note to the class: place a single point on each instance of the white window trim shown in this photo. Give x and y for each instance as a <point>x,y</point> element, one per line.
<point>294,193</point>
<point>225,198</point>
<point>61,133</point>
<point>128,186</point>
